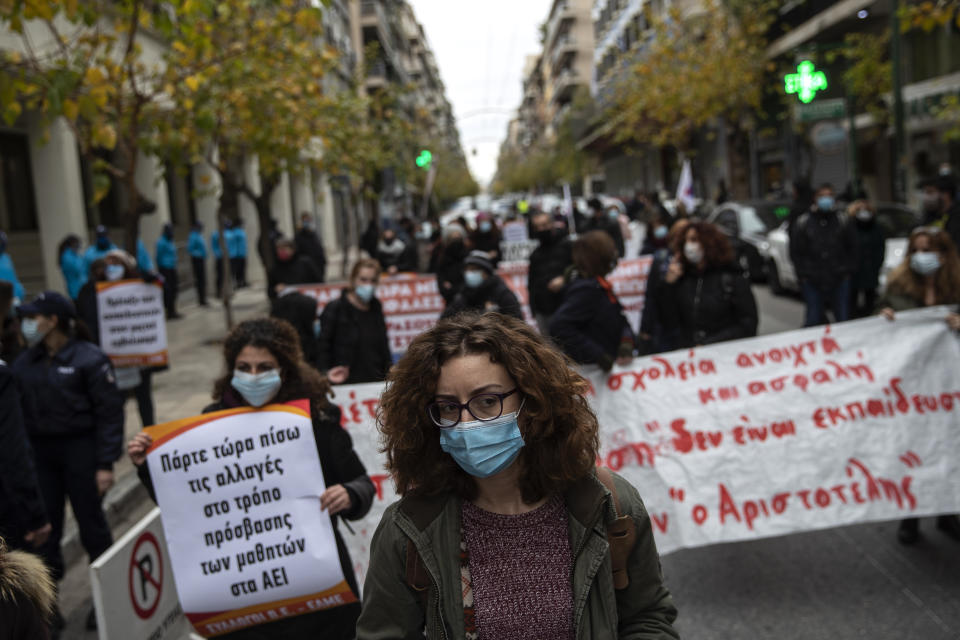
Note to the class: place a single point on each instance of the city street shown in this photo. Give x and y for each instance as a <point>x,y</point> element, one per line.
<point>848,582</point>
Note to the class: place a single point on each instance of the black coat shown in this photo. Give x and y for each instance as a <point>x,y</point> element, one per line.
<point>340,465</point>
<point>486,242</point>
<point>492,295</point>
<point>546,263</point>
<point>823,248</point>
<point>952,225</point>
<point>449,268</point>
<point>71,394</point>
<point>588,325</point>
<point>709,307</point>
<point>297,270</point>
<point>21,504</point>
<point>340,340</point>
<point>662,337</point>
<point>300,311</point>
<point>612,227</point>
<point>871,247</point>
<point>309,245</point>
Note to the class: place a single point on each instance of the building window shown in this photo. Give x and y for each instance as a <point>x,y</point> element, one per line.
<point>18,211</point>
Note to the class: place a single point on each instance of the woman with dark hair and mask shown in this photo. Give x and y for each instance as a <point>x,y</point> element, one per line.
<point>703,294</point>
<point>928,276</point>
<point>353,343</point>
<point>504,525</point>
<point>447,261</point>
<point>264,365</point>
<point>589,325</point>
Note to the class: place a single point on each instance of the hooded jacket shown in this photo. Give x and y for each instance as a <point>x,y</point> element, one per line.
<point>391,609</point>
<point>493,294</point>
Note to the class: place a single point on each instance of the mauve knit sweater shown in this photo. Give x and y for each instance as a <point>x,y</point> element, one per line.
<point>520,569</point>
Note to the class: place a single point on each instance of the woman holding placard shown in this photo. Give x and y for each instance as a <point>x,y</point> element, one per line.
<point>505,528</point>
<point>265,365</point>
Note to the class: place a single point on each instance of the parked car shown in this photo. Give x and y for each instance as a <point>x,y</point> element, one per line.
<point>896,220</point>
<point>747,224</point>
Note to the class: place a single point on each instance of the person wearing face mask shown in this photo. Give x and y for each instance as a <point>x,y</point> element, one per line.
<point>607,221</point>
<point>167,264</point>
<point>823,248</point>
<point>655,241</point>
<point>447,261</point>
<point>7,271</point>
<point>871,248</point>
<point>197,249</point>
<point>589,325</point>
<point>74,418</point>
<point>72,265</point>
<point>353,344</point>
<point>102,244</point>
<point>391,251</point>
<point>309,244</point>
<point>482,290</point>
<point>548,262</point>
<point>704,294</point>
<point>487,237</point>
<point>264,365</point>
<point>655,335</point>
<point>928,276</point>
<point>291,268</point>
<point>504,523</point>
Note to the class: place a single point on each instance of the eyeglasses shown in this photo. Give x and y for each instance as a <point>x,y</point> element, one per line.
<point>483,407</point>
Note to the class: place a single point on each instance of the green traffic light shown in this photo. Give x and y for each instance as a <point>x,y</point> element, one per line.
<point>424,159</point>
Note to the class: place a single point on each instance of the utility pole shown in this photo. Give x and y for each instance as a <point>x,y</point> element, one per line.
<point>899,136</point>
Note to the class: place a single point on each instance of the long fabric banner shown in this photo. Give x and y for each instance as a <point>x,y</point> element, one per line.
<point>239,492</point>
<point>791,432</point>
<point>412,303</point>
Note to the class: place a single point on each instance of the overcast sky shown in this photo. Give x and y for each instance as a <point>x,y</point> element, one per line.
<point>480,48</point>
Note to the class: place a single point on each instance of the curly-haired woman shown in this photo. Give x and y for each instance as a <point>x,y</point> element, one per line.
<point>502,530</point>
<point>929,275</point>
<point>264,364</point>
<point>703,292</point>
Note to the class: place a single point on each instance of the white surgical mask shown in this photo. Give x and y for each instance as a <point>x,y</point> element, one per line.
<point>31,331</point>
<point>693,252</point>
<point>925,262</point>
<point>473,279</point>
<point>113,272</point>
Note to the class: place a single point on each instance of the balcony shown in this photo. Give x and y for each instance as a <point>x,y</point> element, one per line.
<point>565,46</point>
<point>562,13</point>
<point>564,85</point>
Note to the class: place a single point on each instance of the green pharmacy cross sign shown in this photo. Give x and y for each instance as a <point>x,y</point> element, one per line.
<point>424,159</point>
<point>806,82</point>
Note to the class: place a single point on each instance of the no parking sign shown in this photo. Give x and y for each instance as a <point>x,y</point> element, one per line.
<point>133,593</point>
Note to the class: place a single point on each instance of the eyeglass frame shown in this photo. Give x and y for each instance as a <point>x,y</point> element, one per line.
<point>466,405</point>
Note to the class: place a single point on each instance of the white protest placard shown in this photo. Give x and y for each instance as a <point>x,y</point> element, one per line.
<point>133,591</point>
<point>791,432</point>
<point>412,303</point>
<point>240,495</point>
<point>133,329</point>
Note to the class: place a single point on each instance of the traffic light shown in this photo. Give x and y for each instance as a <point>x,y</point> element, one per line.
<point>424,159</point>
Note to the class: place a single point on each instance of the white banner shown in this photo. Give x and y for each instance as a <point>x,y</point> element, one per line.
<point>412,304</point>
<point>791,432</point>
<point>133,329</point>
<point>240,495</point>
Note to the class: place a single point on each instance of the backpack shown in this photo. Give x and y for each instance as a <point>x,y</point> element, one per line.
<point>621,536</point>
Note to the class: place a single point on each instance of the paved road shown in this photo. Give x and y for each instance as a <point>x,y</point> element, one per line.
<point>849,582</point>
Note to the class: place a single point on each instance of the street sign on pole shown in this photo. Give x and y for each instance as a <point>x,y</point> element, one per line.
<point>133,591</point>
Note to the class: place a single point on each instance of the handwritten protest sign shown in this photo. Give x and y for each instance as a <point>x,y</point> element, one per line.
<point>412,303</point>
<point>133,331</point>
<point>239,492</point>
<point>763,437</point>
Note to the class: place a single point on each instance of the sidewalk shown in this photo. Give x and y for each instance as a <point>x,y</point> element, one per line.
<point>195,344</point>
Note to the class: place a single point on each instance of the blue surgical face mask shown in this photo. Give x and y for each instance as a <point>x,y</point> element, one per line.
<point>257,388</point>
<point>660,233</point>
<point>113,272</point>
<point>31,331</point>
<point>613,214</point>
<point>925,263</point>
<point>364,292</point>
<point>485,226</point>
<point>825,203</point>
<point>483,449</point>
<point>473,279</point>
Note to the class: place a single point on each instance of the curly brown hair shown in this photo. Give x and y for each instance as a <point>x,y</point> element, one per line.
<point>594,254</point>
<point>558,427</point>
<point>300,380</point>
<point>905,281</point>
<point>717,251</point>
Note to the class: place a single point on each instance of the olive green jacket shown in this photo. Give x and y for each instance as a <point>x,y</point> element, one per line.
<point>393,610</point>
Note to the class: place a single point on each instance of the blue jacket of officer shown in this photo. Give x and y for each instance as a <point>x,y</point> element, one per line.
<point>72,393</point>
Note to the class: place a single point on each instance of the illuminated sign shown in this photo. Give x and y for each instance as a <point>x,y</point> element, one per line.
<point>806,82</point>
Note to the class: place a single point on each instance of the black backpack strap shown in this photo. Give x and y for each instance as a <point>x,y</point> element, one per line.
<point>621,534</point>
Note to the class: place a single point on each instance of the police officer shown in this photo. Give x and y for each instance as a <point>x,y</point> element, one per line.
<point>74,418</point>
